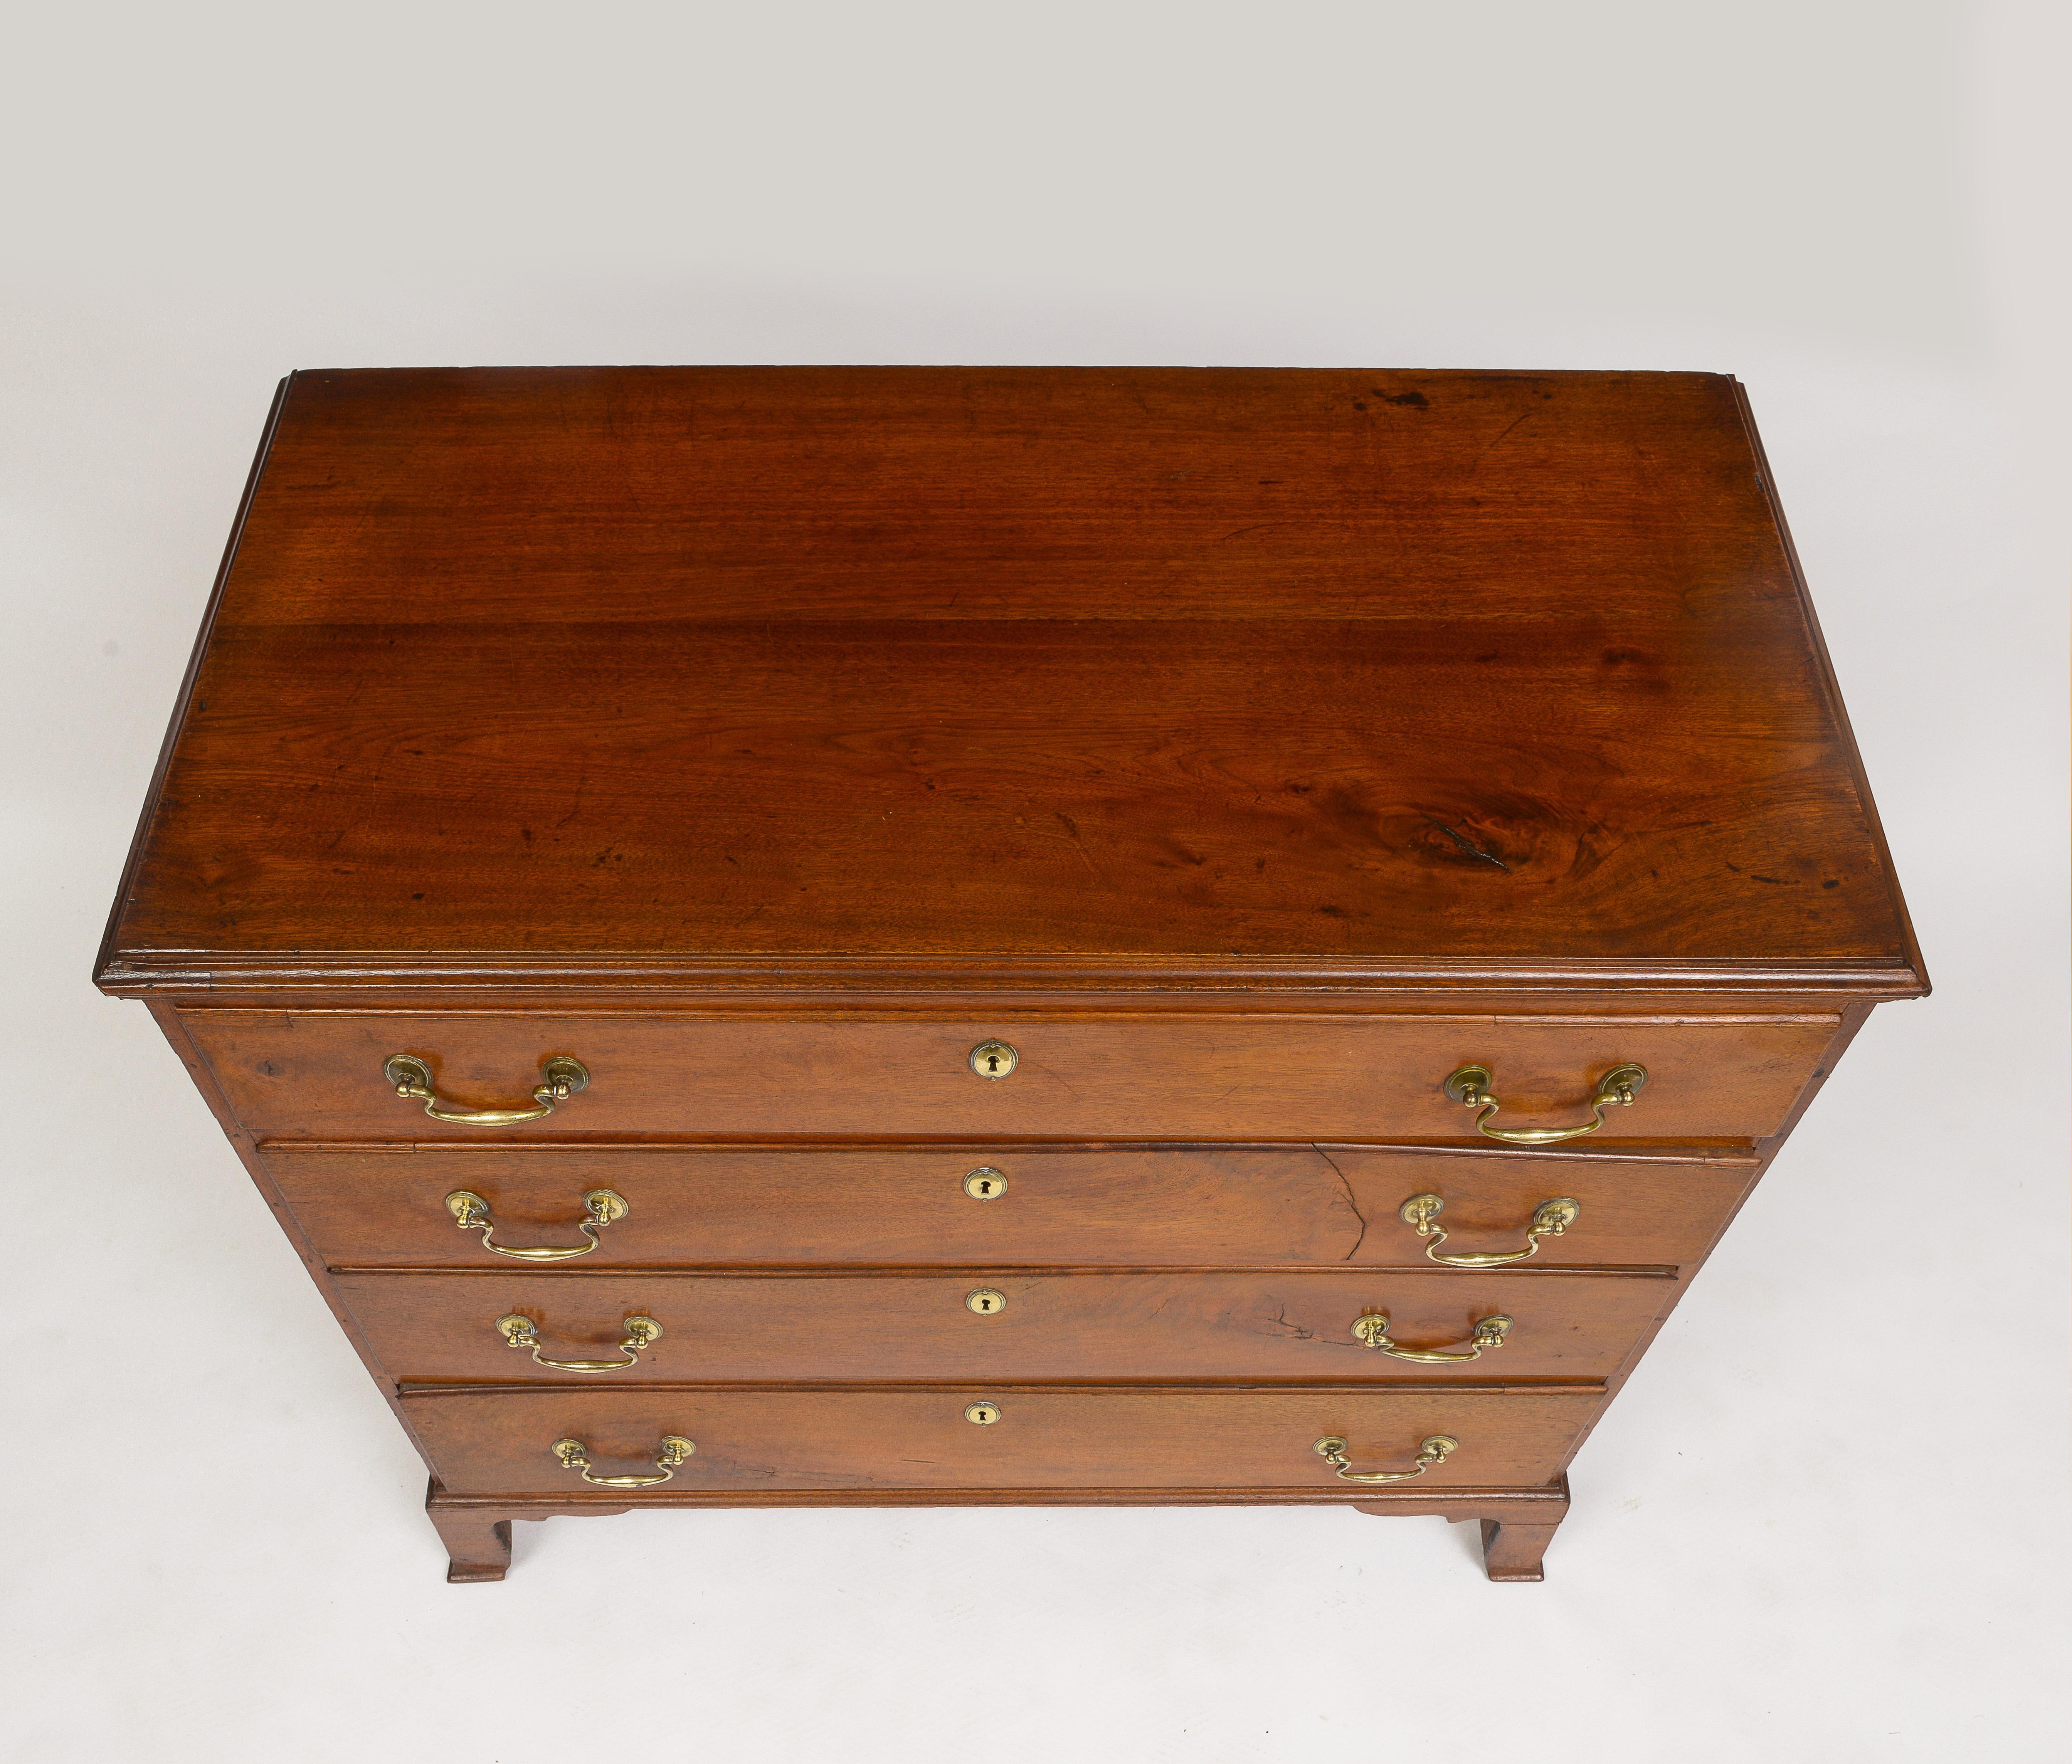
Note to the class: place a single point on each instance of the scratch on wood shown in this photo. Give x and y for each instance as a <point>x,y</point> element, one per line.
<point>1079,845</point>
<point>1500,440</point>
<point>1349,1201</point>
<point>1469,846</point>
<point>1279,1320</point>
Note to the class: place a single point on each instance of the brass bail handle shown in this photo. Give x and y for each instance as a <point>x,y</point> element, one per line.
<point>470,1213</point>
<point>1616,1090</point>
<point>1550,1219</point>
<point>520,1331</point>
<point>1434,1452</point>
<point>669,1457</point>
<point>1372,1331</point>
<point>561,1078</point>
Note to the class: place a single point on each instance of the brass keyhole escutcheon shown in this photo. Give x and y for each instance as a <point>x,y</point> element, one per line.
<point>982,1414</point>
<point>985,1302</point>
<point>994,1059</point>
<point>986,1183</point>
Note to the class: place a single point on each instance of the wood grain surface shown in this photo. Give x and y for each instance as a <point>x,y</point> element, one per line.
<point>1250,748</point>
<point>1516,1523</point>
<point>1333,667</point>
<point>1206,1206</point>
<point>319,1075</point>
<point>865,1328</point>
<point>1047,1438</point>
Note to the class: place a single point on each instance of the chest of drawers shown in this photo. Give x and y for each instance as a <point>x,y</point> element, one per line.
<point>913,935</point>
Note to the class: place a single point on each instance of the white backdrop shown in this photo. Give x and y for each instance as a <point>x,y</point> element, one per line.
<point>1826,1521</point>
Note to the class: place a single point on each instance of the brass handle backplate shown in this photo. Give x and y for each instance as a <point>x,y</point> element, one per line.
<point>561,1078</point>
<point>470,1213</point>
<point>1550,1219</point>
<point>520,1331</point>
<point>1434,1452</point>
<point>1372,1329</point>
<point>669,1456</point>
<point>1616,1090</point>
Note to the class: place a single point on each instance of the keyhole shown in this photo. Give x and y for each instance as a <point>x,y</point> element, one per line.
<point>994,1059</point>
<point>985,1302</point>
<point>985,1182</point>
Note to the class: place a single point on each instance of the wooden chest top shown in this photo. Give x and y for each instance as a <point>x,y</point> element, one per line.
<point>865,676</point>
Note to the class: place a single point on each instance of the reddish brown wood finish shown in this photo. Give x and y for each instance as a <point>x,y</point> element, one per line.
<point>477,1544</point>
<point>478,1541</point>
<point>477,1529</point>
<point>1048,1436</point>
<point>862,1327</point>
<point>374,1207</point>
<point>168,1020</point>
<point>1250,748</point>
<point>319,1075</point>
<point>1515,1538</point>
<point>1329,670</point>
<point>1512,1548</point>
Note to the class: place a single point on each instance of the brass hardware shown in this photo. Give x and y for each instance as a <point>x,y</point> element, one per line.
<point>669,1457</point>
<point>1332,1450</point>
<point>520,1331</point>
<point>986,1183</point>
<point>982,1414</point>
<point>412,1077</point>
<point>985,1302</point>
<point>470,1213</point>
<point>1616,1090</point>
<point>1372,1329</point>
<point>1550,1219</point>
<point>994,1059</point>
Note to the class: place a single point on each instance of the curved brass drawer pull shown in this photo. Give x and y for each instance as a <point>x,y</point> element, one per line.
<point>1550,1219</point>
<point>520,1331</point>
<point>470,1213</point>
<point>1332,1450</point>
<point>561,1076</point>
<point>1372,1329</point>
<point>669,1457</point>
<point>1616,1090</point>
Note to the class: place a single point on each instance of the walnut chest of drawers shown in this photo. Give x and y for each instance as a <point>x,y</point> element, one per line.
<point>882,935</point>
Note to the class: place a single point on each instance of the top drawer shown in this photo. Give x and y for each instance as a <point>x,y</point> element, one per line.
<point>319,1075</point>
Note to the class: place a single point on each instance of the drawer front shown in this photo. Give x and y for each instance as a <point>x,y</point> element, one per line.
<point>501,1443</point>
<point>845,1327</point>
<point>319,1075</point>
<point>1049,1206</point>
